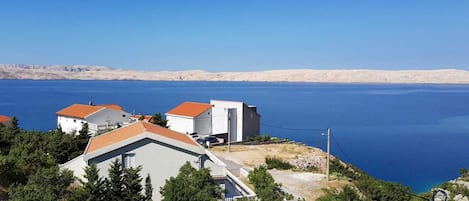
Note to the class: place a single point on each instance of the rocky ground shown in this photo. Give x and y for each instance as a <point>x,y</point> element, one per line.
<point>302,184</point>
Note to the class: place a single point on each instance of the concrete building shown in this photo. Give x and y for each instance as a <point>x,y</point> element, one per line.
<point>159,151</point>
<point>191,117</point>
<point>216,118</point>
<point>241,119</point>
<point>4,120</point>
<point>98,117</point>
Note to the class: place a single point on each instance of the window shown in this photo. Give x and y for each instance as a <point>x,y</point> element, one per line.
<point>74,120</point>
<point>128,160</point>
<point>123,115</point>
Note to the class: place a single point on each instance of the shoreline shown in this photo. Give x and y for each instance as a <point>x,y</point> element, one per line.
<point>337,76</point>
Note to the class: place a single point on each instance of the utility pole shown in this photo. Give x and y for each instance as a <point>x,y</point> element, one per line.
<point>229,131</point>
<point>328,153</point>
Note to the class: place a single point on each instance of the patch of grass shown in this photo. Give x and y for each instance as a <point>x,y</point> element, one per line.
<point>275,163</point>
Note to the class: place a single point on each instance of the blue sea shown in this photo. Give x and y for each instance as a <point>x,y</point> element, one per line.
<point>416,135</point>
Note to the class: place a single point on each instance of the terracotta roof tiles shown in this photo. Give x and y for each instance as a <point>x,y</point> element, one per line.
<point>4,118</point>
<point>135,129</point>
<point>190,109</point>
<point>82,111</point>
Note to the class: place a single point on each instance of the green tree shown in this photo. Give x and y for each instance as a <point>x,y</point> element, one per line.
<point>45,184</point>
<point>463,172</point>
<point>148,188</point>
<point>132,184</point>
<point>94,187</point>
<point>159,120</point>
<point>115,185</point>
<point>264,185</point>
<point>14,125</point>
<point>191,184</point>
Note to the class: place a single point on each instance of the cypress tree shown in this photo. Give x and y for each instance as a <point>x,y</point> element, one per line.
<point>148,188</point>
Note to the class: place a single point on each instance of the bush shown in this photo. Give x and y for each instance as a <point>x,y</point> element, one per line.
<point>275,163</point>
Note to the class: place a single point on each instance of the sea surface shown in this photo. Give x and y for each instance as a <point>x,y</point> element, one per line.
<point>416,135</point>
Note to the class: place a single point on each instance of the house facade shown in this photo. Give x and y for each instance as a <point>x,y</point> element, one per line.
<point>240,119</point>
<point>98,117</point>
<point>217,118</point>
<point>159,151</point>
<point>191,117</point>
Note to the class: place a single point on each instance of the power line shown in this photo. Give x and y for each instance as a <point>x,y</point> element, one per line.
<point>296,129</point>
<point>341,150</point>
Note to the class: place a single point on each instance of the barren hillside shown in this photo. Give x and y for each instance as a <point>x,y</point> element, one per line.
<point>80,72</point>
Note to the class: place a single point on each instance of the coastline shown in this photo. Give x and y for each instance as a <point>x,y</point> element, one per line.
<point>352,76</point>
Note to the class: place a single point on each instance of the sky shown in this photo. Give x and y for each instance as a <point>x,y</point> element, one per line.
<point>237,35</point>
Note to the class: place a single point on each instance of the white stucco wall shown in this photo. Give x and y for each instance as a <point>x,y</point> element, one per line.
<point>156,159</point>
<point>239,114</point>
<point>219,120</point>
<point>203,123</point>
<point>77,165</point>
<point>180,124</point>
<point>70,124</point>
<point>102,117</point>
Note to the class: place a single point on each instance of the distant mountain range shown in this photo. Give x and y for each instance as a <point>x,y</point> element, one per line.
<point>83,72</point>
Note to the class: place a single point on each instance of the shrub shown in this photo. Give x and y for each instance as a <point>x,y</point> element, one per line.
<point>275,163</point>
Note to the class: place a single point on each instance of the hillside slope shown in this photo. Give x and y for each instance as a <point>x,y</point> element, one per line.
<point>81,72</point>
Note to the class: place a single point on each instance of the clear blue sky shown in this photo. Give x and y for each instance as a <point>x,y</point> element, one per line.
<point>237,35</point>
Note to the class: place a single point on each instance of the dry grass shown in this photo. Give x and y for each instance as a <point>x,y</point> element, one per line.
<point>303,184</point>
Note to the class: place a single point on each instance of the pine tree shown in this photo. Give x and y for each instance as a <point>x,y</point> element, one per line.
<point>132,184</point>
<point>159,120</point>
<point>115,185</point>
<point>148,188</point>
<point>94,187</point>
<point>14,126</point>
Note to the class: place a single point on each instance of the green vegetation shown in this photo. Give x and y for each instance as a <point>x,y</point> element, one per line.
<point>265,186</point>
<point>159,120</point>
<point>464,174</point>
<point>275,163</point>
<point>29,168</point>
<point>259,138</point>
<point>23,153</point>
<point>370,188</point>
<point>191,184</point>
<point>347,194</point>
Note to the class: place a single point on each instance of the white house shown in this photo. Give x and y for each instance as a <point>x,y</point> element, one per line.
<point>191,117</point>
<point>98,117</point>
<point>216,118</point>
<point>241,119</point>
<point>159,151</point>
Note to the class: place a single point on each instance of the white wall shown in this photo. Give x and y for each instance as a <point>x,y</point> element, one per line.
<point>70,124</point>
<point>108,117</point>
<point>239,114</point>
<point>180,124</point>
<point>219,120</point>
<point>203,123</point>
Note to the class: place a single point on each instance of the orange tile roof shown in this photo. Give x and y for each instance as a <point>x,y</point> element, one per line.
<point>4,118</point>
<point>82,111</point>
<point>113,106</point>
<point>133,130</point>
<point>190,109</point>
<point>146,117</point>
